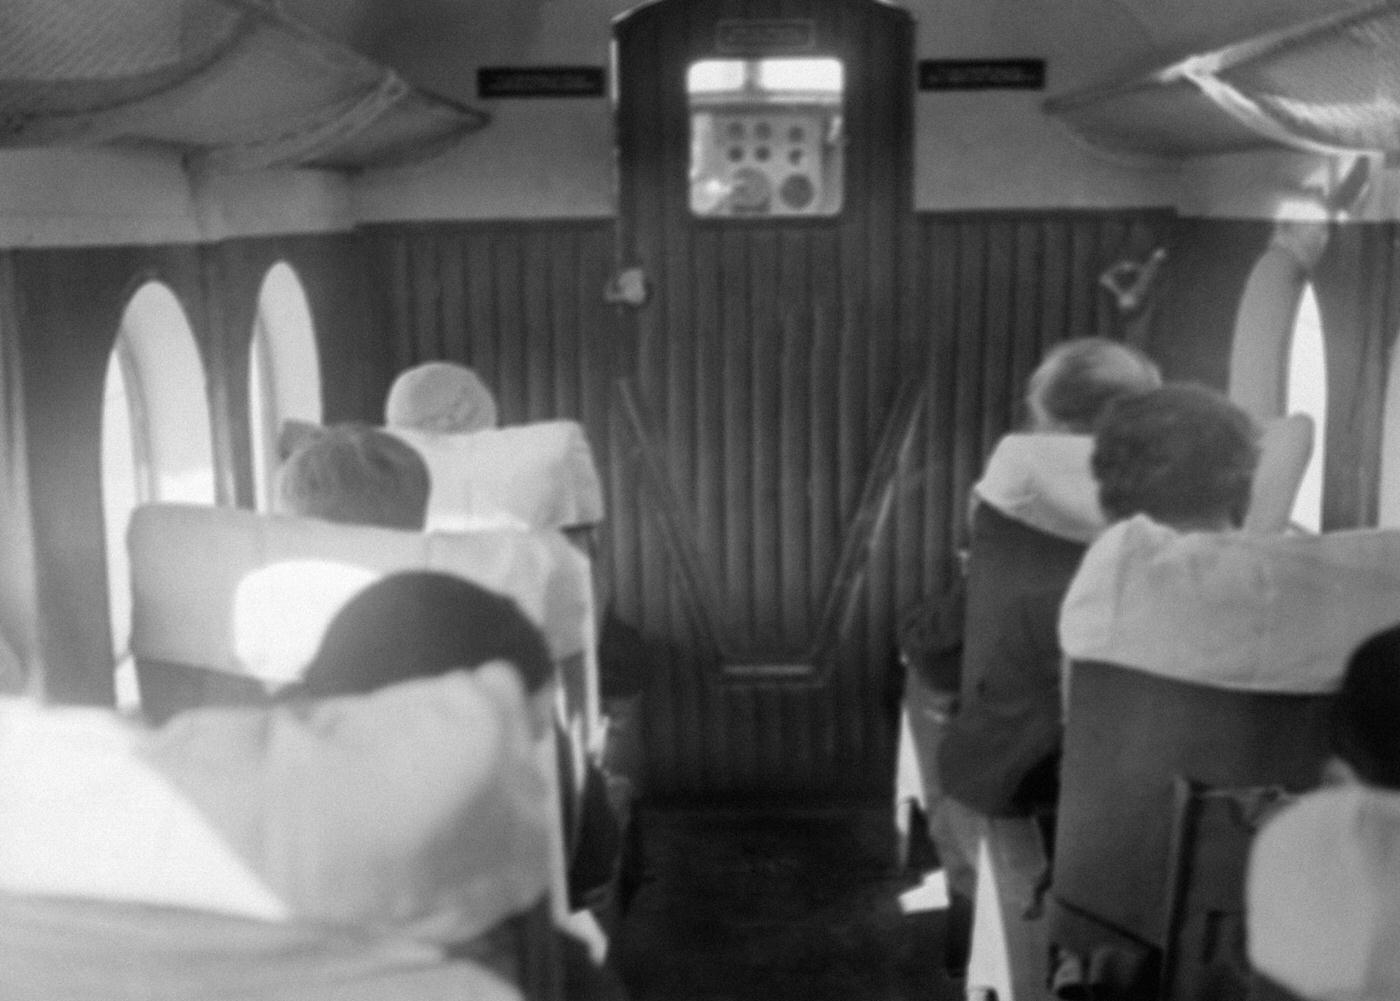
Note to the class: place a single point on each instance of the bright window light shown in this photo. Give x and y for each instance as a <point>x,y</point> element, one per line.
<point>1389,507</point>
<point>284,372</point>
<point>1306,392</point>
<point>156,442</point>
<point>713,76</point>
<point>801,74</point>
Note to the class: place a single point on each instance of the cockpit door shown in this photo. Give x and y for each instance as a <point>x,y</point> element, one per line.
<point>767,381</point>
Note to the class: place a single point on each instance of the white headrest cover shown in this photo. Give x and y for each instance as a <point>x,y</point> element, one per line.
<point>539,475</point>
<point>1044,481</point>
<point>1323,896</point>
<point>1232,609</point>
<point>247,593</point>
<point>419,808</point>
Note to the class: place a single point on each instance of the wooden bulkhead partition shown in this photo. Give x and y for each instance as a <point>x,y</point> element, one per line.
<point>765,386</point>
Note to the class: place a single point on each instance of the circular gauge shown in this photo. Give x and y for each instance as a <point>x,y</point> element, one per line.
<point>735,130</point>
<point>763,131</point>
<point>736,153</point>
<point>762,153</point>
<point>797,191</point>
<point>795,157</point>
<point>797,134</point>
<point>751,192</point>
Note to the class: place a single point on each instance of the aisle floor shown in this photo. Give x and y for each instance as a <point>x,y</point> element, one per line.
<point>774,905</point>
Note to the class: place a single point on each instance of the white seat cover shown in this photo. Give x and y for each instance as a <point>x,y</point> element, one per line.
<point>251,594</point>
<point>418,810</point>
<point>538,475</point>
<point>1237,610</point>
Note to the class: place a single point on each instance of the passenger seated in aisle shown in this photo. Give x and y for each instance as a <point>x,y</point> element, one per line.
<point>1324,877</point>
<point>1175,617</point>
<point>423,625</point>
<point>1034,511</point>
<point>538,474</point>
<point>1172,588</point>
<point>353,474</point>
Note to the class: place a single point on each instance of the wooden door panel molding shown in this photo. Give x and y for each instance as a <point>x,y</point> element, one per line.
<point>739,657</point>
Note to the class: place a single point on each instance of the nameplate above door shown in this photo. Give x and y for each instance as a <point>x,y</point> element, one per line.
<point>766,37</point>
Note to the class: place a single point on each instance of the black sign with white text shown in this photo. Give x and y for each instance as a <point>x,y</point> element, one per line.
<point>541,81</point>
<point>982,74</point>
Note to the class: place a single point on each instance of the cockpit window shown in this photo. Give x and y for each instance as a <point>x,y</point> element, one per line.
<point>284,374</point>
<point>766,137</point>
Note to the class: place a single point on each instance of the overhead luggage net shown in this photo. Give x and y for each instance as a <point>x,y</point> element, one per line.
<point>1331,85</point>
<point>234,84</point>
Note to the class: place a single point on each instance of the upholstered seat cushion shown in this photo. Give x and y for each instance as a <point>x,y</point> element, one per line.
<point>419,809</point>
<point>538,475</point>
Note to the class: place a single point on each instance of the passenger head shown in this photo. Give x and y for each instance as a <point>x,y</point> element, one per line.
<point>1182,454</point>
<point>1366,713</point>
<point>1071,387</point>
<point>356,475</point>
<point>441,397</point>
<point>420,625</point>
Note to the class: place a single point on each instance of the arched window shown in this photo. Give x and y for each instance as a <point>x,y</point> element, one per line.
<point>1305,391</point>
<point>1388,509</point>
<point>156,442</point>
<point>1278,357</point>
<point>284,373</point>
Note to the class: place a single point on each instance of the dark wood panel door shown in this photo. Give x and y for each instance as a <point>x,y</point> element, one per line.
<point>767,384</point>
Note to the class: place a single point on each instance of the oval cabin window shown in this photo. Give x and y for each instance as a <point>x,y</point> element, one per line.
<point>1306,392</point>
<point>284,372</point>
<point>156,441</point>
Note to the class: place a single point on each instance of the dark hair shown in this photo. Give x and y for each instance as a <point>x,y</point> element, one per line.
<point>1078,378</point>
<point>1181,453</point>
<point>1365,730</point>
<point>357,475</point>
<point>423,624</point>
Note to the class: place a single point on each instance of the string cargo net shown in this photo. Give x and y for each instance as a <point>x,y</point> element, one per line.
<point>234,84</point>
<point>1330,85</point>
<point>1333,84</point>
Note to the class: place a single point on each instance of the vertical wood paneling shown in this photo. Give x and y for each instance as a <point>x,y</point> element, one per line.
<point>792,332</point>
<point>775,392</point>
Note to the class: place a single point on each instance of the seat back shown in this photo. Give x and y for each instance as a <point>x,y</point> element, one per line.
<point>1130,737</point>
<point>537,475</point>
<point>252,849</point>
<point>1204,920</point>
<point>227,603</point>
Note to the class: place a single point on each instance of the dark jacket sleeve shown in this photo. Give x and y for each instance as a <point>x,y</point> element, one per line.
<point>1000,751</point>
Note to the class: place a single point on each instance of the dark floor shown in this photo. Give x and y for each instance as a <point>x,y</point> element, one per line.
<point>741,904</point>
